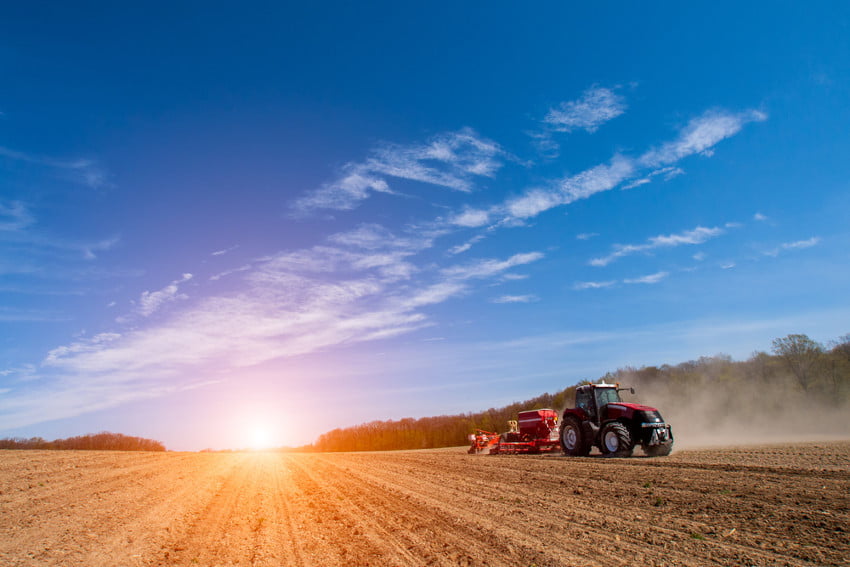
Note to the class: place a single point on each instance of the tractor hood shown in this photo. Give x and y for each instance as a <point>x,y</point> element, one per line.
<point>633,407</point>
<point>623,410</point>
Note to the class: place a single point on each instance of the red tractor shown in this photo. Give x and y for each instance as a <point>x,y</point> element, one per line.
<point>600,418</point>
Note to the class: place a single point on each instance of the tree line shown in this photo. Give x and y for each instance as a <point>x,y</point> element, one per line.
<point>779,391</point>
<point>103,441</point>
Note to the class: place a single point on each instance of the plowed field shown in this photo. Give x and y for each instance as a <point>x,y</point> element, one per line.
<point>771,505</point>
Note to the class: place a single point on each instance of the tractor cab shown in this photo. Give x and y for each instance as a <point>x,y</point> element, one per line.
<point>593,400</point>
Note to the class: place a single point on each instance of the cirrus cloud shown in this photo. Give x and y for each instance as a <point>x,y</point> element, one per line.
<point>596,106</point>
<point>697,235</point>
<point>451,160</point>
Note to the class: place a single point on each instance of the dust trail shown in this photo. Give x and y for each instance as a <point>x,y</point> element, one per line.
<point>715,401</point>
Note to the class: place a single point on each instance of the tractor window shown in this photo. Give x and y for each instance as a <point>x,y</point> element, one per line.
<point>607,396</point>
<point>584,401</point>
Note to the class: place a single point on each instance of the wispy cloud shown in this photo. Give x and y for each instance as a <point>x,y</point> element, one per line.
<point>516,299</point>
<point>89,249</point>
<point>796,245</point>
<point>637,183</point>
<point>224,251</point>
<point>667,173</point>
<point>19,373</point>
<point>152,301</point>
<point>594,285</point>
<point>698,235</point>
<point>14,216</point>
<point>487,268</point>
<point>354,185</point>
<point>372,236</point>
<point>596,106</point>
<point>648,279</point>
<point>230,272</point>
<point>700,136</point>
<point>18,226</point>
<point>455,160</point>
<point>93,344</point>
<point>452,160</point>
<point>83,171</point>
<point>587,235</point>
<point>570,189</point>
<point>367,247</point>
<point>471,218</point>
<point>460,248</point>
<point>800,244</point>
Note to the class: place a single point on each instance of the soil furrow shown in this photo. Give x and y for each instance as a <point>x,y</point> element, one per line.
<point>550,529</point>
<point>283,535</point>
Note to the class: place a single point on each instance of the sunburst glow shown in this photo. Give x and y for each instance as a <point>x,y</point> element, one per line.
<point>260,437</point>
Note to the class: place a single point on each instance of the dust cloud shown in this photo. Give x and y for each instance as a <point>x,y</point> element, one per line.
<point>718,402</point>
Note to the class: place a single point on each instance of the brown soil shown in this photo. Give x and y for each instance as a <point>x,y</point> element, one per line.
<point>771,505</point>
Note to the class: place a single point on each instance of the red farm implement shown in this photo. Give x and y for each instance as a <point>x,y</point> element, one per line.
<point>482,441</point>
<point>536,431</point>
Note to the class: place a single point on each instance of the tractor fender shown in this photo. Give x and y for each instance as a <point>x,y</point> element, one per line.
<point>625,422</point>
<point>578,413</point>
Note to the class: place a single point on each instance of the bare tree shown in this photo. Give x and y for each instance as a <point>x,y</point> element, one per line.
<point>839,362</point>
<point>841,347</point>
<point>760,363</point>
<point>801,354</point>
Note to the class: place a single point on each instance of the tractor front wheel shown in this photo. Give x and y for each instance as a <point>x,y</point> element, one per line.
<point>572,440</point>
<point>616,441</point>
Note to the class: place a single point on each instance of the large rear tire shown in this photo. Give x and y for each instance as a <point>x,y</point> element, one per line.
<point>572,441</point>
<point>616,441</point>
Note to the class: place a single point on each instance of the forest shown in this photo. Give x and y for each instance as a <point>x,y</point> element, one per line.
<point>103,441</point>
<point>800,389</point>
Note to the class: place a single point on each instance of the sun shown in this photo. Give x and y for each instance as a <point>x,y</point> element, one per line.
<point>257,428</point>
<point>260,437</point>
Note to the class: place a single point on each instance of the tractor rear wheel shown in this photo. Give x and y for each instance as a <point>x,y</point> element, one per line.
<point>572,440</point>
<point>616,441</point>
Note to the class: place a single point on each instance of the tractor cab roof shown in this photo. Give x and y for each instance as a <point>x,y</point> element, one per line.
<point>594,386</point>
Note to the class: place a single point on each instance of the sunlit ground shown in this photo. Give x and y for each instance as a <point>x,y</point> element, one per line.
<point>424,508</point>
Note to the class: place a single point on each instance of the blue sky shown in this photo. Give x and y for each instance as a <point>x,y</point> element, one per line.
<point>281,219</point>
